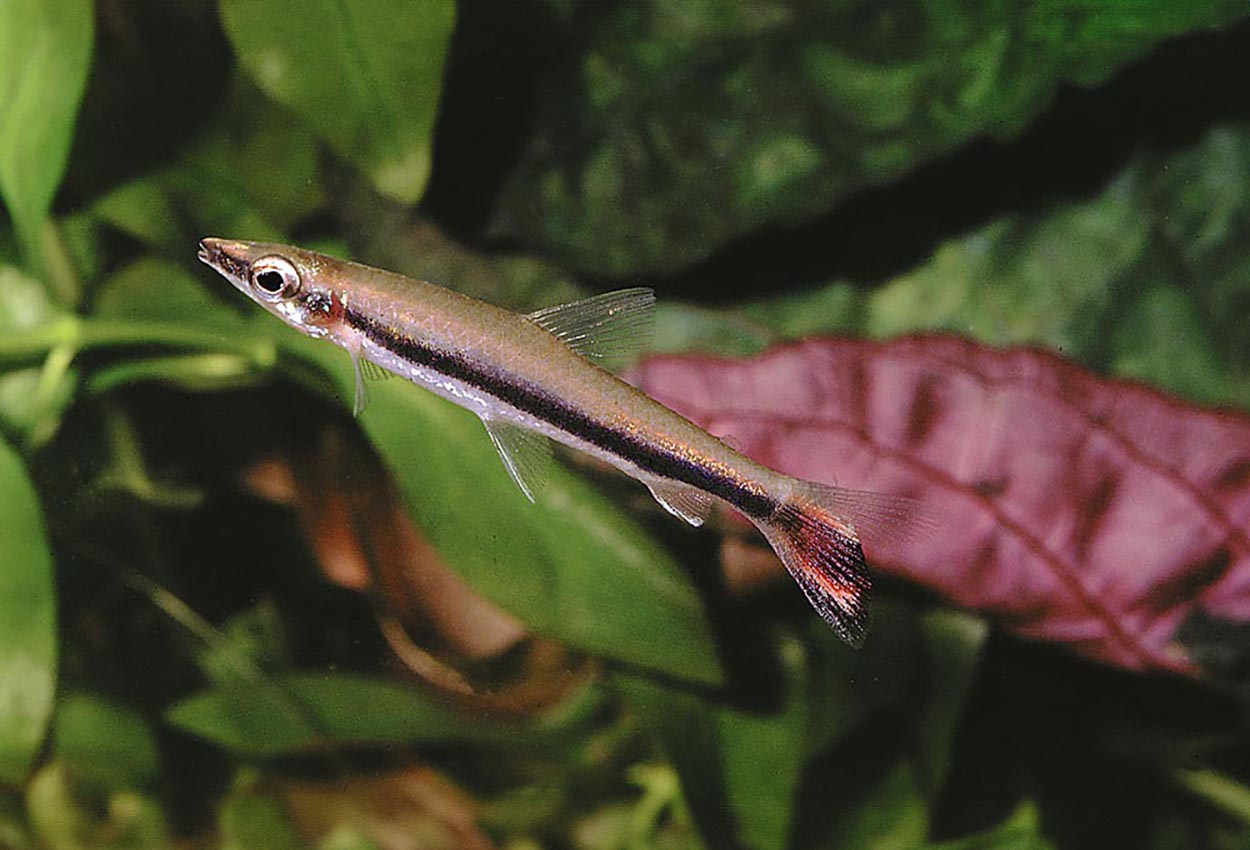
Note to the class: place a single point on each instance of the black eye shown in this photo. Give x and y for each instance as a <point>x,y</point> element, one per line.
<point>269,281</point>
<point>275,278</point>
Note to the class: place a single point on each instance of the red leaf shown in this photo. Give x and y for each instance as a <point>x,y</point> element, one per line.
<point>1095,513</point>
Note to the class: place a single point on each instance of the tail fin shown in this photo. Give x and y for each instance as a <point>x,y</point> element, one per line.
<point>815,535</point>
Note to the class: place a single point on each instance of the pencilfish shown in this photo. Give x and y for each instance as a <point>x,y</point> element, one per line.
<point>545,375</point>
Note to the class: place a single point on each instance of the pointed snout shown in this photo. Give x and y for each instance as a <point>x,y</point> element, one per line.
<point>213,249</point>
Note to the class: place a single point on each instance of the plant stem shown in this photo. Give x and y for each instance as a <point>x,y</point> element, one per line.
<point>81,334</point>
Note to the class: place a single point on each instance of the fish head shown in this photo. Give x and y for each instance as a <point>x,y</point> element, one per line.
<point>298,286</point>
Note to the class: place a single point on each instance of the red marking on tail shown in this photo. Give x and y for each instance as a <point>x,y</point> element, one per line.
<point>822,551</point>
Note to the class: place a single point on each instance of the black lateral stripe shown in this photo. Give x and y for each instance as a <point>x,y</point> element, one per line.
<point>535,402</point>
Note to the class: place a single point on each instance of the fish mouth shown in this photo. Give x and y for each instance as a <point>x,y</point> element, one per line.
<point>216,254</point>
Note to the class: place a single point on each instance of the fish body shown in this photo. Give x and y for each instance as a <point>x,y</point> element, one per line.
<point>529,378</point>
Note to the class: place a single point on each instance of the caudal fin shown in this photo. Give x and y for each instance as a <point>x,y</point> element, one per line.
<point>816,536</point>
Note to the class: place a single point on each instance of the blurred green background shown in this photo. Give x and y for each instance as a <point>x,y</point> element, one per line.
<point>231,616</point>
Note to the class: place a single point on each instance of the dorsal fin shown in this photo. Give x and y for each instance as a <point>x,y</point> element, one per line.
<point>611,329</point>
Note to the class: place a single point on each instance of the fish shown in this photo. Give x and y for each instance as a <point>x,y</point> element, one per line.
<point>548,376</point>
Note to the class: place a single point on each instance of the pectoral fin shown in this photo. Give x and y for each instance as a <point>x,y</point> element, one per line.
<point>359,398</point>
<point>371,371</point>
<point>681,500</point>
<point>364,370</point>
<point>525,454</point>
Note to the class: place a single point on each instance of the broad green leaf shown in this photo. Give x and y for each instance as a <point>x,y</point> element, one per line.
<point>952,646</point>
<point>686,727</point>
<point>366,75</point>
<point>249,821</point>
<point>1160,338</point>
<point>45,49</point>
<point>890,814</point>
<point>741,768</point>
<point>295,712</point>
<point>846,687</point>
<point>28,642</point>
<point>143,209</point>
<point>176,208</point>
<point>105,742</point>
<point>573,565</point>
<point>764,754</point>
<point>265,150</point>
<point>671,127</point>
<point>154,289</point>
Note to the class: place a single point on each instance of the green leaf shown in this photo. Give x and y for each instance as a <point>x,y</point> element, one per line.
<point>28,644</point>
<point>952,647</point>
<point>251,822</point>
<point>1160,338</point>
<point>741,768</point>
<point>672,127</point>
<point>366,75</point>
<point>295,712</point>
<point>154,289</point>
<point>685,724</point>
<point>33,394</point>
<point>572,566</point>
<point>105,742</point>
<point>764,754</point>
<point>1218,789</point>
<point>45,49</point>
<point>848,687</point>
<point>1112,282</point>
<point>891,815</point>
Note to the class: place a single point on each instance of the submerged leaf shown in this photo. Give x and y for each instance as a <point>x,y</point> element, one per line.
<point>365,74</point>
<point>45,49</point>
<point>105,742</point>
<point>28,642</point>
<point>332,710</point>
<point>675,126</point>
<point>1095,513</point>
<point>571,565</point>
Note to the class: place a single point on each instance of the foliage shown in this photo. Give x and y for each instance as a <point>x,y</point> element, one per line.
<point>233,616</point>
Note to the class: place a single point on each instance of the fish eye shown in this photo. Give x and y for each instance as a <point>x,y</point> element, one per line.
<point>274,278</point>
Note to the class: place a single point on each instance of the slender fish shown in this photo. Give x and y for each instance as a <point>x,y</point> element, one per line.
<point>544,375</point>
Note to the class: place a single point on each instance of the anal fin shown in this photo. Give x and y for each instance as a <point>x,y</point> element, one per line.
<point>682,500</point>
<point>525,454</point>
